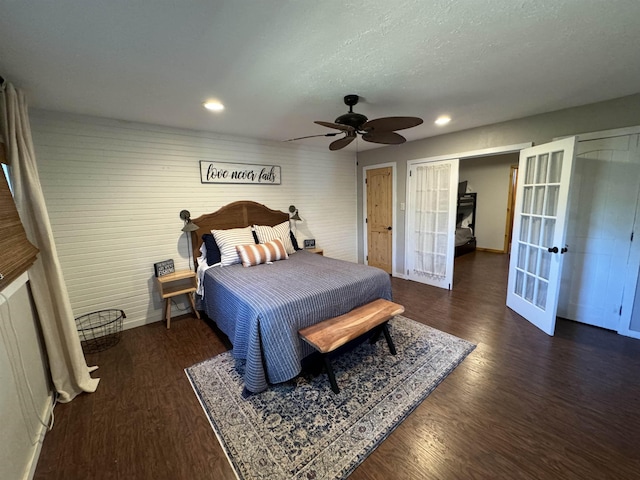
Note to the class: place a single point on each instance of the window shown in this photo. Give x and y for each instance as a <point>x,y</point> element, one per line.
<point>17,254</point>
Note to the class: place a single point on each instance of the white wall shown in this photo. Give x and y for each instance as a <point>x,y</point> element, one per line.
<point>114,191</point>
<point>489,178</point>
<point>25,396</point>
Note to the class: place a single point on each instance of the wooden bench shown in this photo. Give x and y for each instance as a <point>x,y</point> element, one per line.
<point>333,333</point>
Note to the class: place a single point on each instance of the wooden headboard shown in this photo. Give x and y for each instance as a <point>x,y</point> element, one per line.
<point>235,215</point>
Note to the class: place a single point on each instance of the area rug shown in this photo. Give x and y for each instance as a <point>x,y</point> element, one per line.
<point>301,429</point>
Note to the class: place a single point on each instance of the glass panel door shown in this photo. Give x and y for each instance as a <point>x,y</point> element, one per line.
<point>539,230</point>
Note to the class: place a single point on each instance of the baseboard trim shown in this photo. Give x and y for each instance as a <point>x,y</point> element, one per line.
<point>146,321</point>
<point>490,250</point>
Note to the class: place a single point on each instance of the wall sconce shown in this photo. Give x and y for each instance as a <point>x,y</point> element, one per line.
<point>189,226</point>
<point>295,216</point>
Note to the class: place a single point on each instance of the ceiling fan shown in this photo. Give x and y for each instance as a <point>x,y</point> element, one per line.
<point>379,130</point>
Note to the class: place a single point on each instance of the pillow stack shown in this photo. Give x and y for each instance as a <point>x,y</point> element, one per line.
<point>234,245</point>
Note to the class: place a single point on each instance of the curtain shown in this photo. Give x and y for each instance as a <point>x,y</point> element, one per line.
<point>69,371</point>
<point>431,220</point>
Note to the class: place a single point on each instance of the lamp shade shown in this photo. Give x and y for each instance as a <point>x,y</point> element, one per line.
<point>190,227</point>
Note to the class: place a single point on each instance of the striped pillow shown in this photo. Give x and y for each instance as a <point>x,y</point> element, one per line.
<point>227,241</point>
<point>255,254</point>
<point>282,231</point>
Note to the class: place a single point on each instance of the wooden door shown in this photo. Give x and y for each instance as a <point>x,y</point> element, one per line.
<point>511,207</point>
<point>539,231</point>
<point>602,205</point>
<point>379,218</point>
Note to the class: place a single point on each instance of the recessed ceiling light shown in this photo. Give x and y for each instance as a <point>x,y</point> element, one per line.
<point>443,120</point>
<point>213,105</point>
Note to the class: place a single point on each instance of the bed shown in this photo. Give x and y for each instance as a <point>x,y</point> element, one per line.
<point>261,308</point>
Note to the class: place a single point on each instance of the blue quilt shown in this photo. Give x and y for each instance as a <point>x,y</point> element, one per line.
<point>261,308</point>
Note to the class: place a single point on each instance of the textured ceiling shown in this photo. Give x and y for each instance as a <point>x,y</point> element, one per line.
<point>279,65</point>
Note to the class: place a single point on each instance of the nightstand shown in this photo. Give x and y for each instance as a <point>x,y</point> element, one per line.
<point>182,282</point>
<point>319,251</point>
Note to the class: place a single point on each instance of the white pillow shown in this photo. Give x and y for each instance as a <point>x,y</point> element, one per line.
<point>266,234</point>
<point>227,241</point>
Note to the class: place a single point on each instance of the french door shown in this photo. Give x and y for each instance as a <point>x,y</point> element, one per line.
<point>432,189</point>
<point>538,245</point>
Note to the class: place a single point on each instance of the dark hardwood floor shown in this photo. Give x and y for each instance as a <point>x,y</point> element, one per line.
<point>522,406</point>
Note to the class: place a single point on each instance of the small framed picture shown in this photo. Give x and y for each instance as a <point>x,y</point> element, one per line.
<point>164,268</point>
<point>310,243</point>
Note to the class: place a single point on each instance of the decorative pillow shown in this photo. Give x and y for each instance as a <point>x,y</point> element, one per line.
<point>281,231</point>
<point>213,252</point>
<point>255,254</point>
<point>227,241</point>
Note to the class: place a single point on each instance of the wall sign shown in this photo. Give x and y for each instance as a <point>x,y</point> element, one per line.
<point>164,268</point>
<point>217,172</point>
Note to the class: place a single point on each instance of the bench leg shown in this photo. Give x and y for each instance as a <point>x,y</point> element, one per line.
<point>384,328</point>
<point>387,335</point>
<point>330,374</point>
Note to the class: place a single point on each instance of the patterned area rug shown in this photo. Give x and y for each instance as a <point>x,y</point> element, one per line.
<point>301,429</point>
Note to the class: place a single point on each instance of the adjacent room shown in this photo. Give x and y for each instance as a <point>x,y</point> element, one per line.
<point>294,239</point>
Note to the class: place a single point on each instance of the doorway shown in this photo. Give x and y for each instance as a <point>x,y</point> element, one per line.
<point>490,227</point>
<point>612,183</point>
<point>511,207</point>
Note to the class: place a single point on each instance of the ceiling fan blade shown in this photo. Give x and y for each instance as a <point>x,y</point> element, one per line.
<point>386,138</point>
<point>388,124</point>
<point>341,142</point>
<point>312,136</point>
<point>338,126</point>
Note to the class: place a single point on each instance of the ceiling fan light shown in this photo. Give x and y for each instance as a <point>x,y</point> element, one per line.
<point>443,120</point>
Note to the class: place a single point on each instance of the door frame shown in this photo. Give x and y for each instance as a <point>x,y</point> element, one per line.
<point>394,217</point>
<point>511,207</point>
<point>615,132</point>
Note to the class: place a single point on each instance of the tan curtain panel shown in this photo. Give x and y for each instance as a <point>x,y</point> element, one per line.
<point>69,371</point>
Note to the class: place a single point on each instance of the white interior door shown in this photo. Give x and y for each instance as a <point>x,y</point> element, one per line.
<point>538,244</point>
<point>602,204</point>
<point>432,189</point>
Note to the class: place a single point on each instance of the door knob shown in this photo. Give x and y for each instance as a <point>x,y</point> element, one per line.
<point>388,228</point>
<point>553,250</point>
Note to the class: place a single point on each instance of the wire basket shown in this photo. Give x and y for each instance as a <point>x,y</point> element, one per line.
<point>100,330</point>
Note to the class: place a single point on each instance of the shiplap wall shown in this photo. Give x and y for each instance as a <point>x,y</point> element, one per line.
<point>114,191</point>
